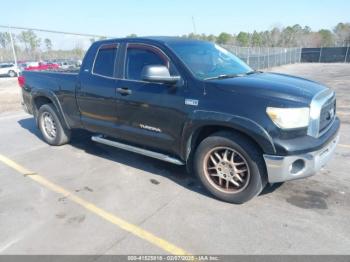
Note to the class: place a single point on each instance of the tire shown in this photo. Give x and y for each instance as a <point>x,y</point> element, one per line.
<point>12,73</point>
<point>51,127</point>
<point>239,173</point>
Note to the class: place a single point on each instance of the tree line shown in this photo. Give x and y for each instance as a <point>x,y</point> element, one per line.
<point>30,46</point>
<point>290,36</point>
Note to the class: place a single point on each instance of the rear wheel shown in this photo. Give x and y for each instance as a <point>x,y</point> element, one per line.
<point>51,127</point>
<point>230,167</point>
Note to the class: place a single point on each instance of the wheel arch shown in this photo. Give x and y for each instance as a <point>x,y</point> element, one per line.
<point>207,123</point>
<point>41,97</point>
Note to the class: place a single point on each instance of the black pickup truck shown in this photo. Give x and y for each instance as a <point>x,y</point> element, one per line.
<point>190,103</point>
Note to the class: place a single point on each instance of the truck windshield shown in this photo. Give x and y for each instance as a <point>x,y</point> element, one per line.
<point>209,61</point>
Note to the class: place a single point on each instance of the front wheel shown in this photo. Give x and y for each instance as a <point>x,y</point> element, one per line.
<point>230,166</point>
<point>12,73</point>
<point>51,127</point>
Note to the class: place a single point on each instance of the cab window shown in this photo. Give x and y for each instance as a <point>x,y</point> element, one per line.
<point>105,60</point>
<point>138,56</point>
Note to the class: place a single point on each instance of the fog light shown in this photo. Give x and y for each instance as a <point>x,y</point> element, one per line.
<point>297,166</point>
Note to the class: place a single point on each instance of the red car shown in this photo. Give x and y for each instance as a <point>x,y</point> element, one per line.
<point>42,66</point>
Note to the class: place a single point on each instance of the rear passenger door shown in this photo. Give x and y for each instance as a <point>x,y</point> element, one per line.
<point>149,114</point>
<point>96,92</point>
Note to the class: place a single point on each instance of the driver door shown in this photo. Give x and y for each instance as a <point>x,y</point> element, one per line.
<point>149,114</point>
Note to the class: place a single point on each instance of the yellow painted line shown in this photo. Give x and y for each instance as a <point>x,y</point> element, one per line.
<point>15,166</point>
<point>342,145</point>
<point>121,223</point>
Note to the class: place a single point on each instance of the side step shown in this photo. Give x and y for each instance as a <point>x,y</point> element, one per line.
<point>102,140</point>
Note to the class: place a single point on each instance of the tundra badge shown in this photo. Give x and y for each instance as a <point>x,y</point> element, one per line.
<point>151,128</point>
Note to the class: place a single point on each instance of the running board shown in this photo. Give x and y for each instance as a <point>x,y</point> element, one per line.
<point>102,140</point>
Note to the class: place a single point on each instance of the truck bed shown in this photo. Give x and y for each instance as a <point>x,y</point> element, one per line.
<point>60,86</point>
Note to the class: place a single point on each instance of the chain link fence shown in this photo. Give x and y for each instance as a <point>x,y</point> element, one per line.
<point>266,57</point>
<point>326,55</point>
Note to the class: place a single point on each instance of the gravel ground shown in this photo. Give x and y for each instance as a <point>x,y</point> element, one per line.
<point>10,95</point>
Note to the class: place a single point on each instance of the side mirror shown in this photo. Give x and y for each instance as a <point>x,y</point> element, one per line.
<point>158,74</point>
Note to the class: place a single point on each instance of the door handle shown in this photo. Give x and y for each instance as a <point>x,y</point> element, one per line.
<point>124,91</point>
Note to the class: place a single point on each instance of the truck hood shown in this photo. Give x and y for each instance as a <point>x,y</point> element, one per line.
<point>271,85</point>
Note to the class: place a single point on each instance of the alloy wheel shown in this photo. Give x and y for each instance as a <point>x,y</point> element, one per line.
<point>226,169</point>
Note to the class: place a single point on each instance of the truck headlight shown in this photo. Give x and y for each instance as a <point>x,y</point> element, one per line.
<point>288,118</point>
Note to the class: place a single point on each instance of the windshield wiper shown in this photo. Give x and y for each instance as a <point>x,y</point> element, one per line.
<point>223,76</point>
<point>253,72</point>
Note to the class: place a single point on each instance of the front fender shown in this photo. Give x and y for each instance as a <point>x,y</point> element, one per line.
<point>201,118</point>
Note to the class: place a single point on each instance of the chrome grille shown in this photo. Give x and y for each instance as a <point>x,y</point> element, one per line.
<point>321,116</point>
<point>327,114</point>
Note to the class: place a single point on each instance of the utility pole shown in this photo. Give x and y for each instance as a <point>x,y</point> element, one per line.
<point>13,47</point>
<point>194,26</point>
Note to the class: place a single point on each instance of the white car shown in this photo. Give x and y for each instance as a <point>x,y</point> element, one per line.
<point>10,70</point>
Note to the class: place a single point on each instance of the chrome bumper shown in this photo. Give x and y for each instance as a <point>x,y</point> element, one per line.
<point>284,168</point>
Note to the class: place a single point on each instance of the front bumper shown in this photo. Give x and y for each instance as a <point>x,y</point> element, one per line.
<point>284,168</point>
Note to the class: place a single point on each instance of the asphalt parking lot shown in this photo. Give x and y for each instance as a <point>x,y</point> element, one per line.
<point>86,198</point>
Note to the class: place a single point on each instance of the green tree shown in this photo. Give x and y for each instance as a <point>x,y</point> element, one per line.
<point>243,39</point>
<point>212,38</point>
<point>224,38</point>
<point>342,33</point>
<point>132,35</point>
<point>203,37</point>
<point>265,38</point>
<point>307,29</point>
<point>193,36</point>
<point>326,37</point>
<point>342,27</point>
<point>5,39</point>
<point>256,39</point>
<point>275,35</point>
<point>297,28</point>
<point>30,40</point>
<point>288,37</point>
<point>48,44</point>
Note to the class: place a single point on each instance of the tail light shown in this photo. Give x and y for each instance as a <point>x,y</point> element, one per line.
<point>21,81</point>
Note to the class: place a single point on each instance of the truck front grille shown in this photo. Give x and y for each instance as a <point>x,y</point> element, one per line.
<point>322,112</point>
<point>327,114</point>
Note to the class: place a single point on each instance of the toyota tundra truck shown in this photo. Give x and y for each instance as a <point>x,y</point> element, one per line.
<point>192,103</point>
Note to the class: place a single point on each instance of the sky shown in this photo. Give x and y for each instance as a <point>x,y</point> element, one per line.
<point>166,17</point>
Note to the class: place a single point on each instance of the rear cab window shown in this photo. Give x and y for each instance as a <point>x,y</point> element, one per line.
<point>105,60</point>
